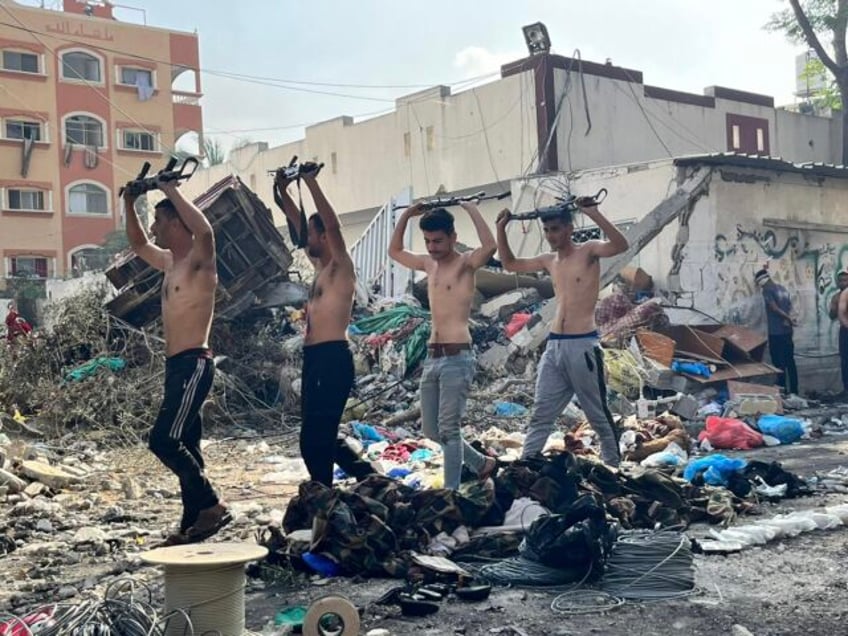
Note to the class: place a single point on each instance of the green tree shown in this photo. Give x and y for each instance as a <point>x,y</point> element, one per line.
<point>811,21</point>
<point>827,96</point>
<point>214,151</point>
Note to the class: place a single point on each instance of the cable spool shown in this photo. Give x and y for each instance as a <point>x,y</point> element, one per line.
<point>331,616</point>
<point>204,586</point>
<point>647,565</point>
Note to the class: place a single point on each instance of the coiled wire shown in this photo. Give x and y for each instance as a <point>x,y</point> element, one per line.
<point>125,610</point>
<point>650,565</point>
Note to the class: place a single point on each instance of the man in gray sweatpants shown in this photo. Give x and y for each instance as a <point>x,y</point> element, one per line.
<point>572,363</point>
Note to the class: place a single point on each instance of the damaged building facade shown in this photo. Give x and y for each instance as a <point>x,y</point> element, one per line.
<point>575,115</point>
<point>743,212</point>
<point>546,114</point>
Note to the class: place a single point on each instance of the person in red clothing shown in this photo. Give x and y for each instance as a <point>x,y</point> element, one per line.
<point>16,325</point>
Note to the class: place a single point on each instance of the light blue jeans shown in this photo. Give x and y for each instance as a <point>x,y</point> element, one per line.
<point>445,384</point>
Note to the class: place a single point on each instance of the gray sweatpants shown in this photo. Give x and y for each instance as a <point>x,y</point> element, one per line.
<point>571,365</point>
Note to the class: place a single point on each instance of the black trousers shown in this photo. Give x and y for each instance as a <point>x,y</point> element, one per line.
<point>175,437</point>
<point>782,351</point>
<point>325,386</point>
<point>843,356</point>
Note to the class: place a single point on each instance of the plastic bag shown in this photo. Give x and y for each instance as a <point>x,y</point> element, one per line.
<point>725,432</point>
<point>786,429</point>
<point>673,455</point>
<point>717,469</point>
<point>516,323</point>
<point>509,409</point>
<point>840,512</point>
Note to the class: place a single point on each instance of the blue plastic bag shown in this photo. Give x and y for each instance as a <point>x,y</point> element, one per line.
<point>785,429</point>
<point>399,472</point>
<point>509,409</point>
<point>421,455</point>
<point>321,564</point>
<point>692,368</point>
<point>717,469</point>
<point>367,433</point>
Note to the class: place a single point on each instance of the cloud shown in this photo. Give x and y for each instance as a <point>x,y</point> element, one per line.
<point>476,60</point>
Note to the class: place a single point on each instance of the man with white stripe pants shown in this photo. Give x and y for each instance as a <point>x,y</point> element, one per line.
<point>185,251</point>
<point>572,362</point>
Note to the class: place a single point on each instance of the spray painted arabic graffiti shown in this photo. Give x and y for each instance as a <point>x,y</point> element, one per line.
<point>805,266</point>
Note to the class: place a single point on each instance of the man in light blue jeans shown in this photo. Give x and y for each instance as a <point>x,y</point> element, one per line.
<point>573,362</point>
<point>449,368</point>
<point>445,383</point>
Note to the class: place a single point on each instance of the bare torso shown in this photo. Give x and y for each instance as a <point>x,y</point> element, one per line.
<point>576,279</point>
<point>330,303</point>
<point>450,288</point>
<point>188,300</point>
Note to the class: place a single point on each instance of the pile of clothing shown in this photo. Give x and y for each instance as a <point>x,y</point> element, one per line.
<point>375,527</point>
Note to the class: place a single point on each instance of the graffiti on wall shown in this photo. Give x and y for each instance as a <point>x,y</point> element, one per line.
<point>806,266</point>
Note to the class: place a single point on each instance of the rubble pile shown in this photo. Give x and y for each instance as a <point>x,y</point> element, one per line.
<point>90,372</point>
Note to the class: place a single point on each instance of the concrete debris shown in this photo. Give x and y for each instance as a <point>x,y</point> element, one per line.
<point>10,482</point>
<point>502,307</point>
<point>89,535</point>
<point>131,488</point>
<point>52,476</point>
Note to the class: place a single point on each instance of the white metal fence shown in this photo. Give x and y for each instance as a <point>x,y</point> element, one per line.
<point>370,253</point>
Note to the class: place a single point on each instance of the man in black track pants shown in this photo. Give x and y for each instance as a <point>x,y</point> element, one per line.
<point>328,371</point>
<point>185,250</point>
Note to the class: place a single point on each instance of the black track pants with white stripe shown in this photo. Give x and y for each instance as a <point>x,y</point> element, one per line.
<point>175,438</point>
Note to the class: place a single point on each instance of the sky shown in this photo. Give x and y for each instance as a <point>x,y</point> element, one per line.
<point>369,52</point>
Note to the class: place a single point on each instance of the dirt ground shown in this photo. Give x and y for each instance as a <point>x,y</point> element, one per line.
<point>787,587</point>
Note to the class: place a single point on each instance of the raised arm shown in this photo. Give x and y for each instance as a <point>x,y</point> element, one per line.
<point>615,243</point>
<point>204,238</point>
<point>154,256</point>
<point>289,208</point>
<point>508,260</point>
<point>480,256</point>
<point>329,220</point>
<point>396,249</point>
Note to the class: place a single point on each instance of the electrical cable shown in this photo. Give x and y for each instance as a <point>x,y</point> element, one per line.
<point>585,601</point>
<point>256,79</point>
<point>522,572</point>
<point>650,565</point>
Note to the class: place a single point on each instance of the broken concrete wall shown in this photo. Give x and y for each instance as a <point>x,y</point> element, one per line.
<point>746,218</point>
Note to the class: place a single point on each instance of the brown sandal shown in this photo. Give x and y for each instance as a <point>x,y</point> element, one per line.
<point>209,522</point>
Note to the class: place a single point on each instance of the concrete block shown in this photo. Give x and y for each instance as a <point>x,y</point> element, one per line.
<point>51,476</point>
<point>13,483</point>
<point>503,306</point>
<point>686,407</point>
<point>496,357</point>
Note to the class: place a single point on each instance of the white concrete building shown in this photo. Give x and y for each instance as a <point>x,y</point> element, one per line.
<point>483,137</point>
